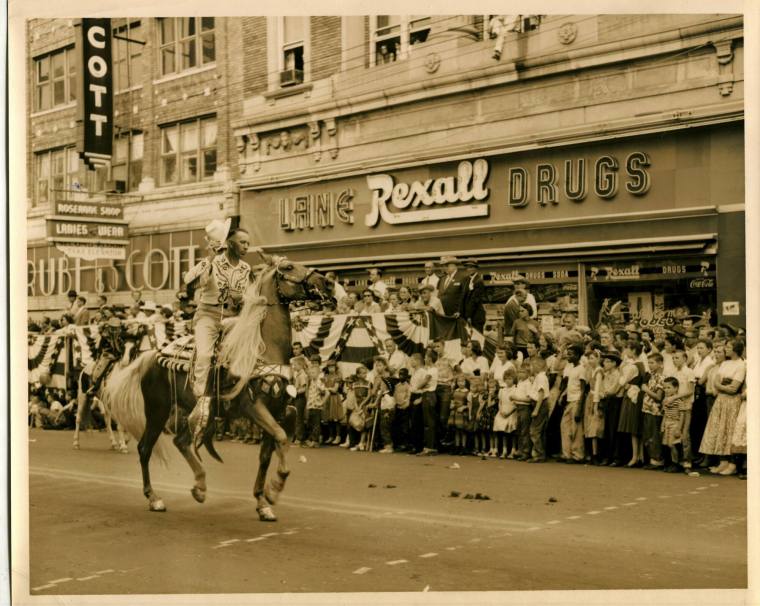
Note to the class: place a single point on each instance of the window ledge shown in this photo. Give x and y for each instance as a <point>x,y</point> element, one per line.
<point>185,73</point>
<point>131,89</point>
<point>52,110</point>
<point>288,91</point>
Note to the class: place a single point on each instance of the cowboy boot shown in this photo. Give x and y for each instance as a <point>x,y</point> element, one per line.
<point>198,418</point>
<point>219,425</point>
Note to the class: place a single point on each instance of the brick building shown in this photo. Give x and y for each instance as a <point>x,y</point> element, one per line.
<point>602,156</point>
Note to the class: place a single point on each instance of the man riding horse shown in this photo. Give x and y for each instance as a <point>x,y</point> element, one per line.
<point>222,278</point>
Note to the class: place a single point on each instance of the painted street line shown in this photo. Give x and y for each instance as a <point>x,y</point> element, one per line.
<point>270,534</point>
<point>592,513</point>
<point>362,570</point>
<point>573,518</point>
<point>630,504</point>
<point>92,576</point>
<point>394,562</point>
<point>63,580</point>
<point>429,555</point>
<point>41,587</point>
<point>289,532</point>
<point>611,507</point>
<point>105,571</point>
<point>641,498</point>
<point>702,488</point>
<point>229,541</point>
<point>554,522</point>
<point>533,528</point>
<point>254,539</point>
<point>450,548</point>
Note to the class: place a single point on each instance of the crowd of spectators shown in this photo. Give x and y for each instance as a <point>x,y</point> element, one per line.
<point>612,395</point>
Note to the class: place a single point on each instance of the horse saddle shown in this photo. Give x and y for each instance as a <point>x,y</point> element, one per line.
<point>180,353</point>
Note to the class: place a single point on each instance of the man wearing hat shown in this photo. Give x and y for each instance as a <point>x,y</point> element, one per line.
<point>110,349</point>
<point>430,278</point>
<point>221,278</point>
<point>473,296</point>
<point>428,301</point>
<point>450,288</point>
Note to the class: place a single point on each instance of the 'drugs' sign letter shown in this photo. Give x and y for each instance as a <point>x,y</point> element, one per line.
<point>96,104</point>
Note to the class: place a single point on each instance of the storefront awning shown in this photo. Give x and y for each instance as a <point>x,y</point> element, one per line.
<point>705,243</point>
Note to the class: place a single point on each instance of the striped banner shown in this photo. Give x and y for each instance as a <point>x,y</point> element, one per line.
<point>352,340</point>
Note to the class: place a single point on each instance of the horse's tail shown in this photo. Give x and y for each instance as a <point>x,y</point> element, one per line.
<point>123,393</point>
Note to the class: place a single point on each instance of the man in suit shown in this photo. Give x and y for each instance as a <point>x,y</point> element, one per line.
<point>473,296</point>
<point>450,288</point>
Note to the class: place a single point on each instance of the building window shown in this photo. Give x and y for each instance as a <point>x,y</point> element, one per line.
<point>56,174</point>
<point>188,151</point>
<point>393,36</point>
<point>292,50</point>
<point>186,43</point>
<point>127,160</point>
<point>127,56</point>
<point>55,79</point>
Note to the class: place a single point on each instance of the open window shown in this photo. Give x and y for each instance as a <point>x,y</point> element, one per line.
<point>394,36</point>
<point>292,51</point>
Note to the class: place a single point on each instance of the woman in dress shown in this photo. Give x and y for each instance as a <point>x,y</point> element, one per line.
<point>722,420</point>
<point>632,372</point>
<point>593,415</point>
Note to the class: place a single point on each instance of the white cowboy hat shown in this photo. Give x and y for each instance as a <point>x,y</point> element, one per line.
<point>445,260</point>
<point>149,306</point>
<point>217,230</point>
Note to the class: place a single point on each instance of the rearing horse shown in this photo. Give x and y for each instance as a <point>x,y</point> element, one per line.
<point>257,351</point>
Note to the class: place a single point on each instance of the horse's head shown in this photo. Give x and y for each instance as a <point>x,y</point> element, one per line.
<point>296,282</point>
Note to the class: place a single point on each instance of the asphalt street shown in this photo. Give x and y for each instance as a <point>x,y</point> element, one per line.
<point>359,522</point>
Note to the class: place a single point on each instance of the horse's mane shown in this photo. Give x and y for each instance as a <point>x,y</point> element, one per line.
<point>243,346</point>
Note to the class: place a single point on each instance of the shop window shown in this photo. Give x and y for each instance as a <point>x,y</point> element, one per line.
<point>55,79</point>
<point>127,56</point>
<point>188,151</point>
<point>56,174</point>
<point>186,43</point>
<point>393,36</point>
<point>292,51</point>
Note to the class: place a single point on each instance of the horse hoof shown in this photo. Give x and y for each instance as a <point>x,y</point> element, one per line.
<point>76,446</point>
<point>271,496</point>
<point>114,446</point>
<point>124,450</point>
<point>266,514</point>
<point>157,505</point>
<point>198,494</point>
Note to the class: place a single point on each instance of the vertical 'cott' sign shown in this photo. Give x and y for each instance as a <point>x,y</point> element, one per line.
<point>97,98</point>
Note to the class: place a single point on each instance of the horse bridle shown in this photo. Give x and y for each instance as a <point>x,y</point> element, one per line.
<point>315,293</point>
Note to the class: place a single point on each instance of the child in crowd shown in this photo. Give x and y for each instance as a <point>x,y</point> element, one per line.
<point>387,404</point>
<point>686,381</point>
<point>593,418</point>
<point>671,421</point>
<point>524,330</point>
<point>522,400</point>
<point>362,396</point>
<point>475,399</point>
<point>609,405</point>
<point>540,413</point>
<point>301,383</point>
<point>492,407</point>
<point>418,382</point>
<point>632,377</point>
<point>349,405</point>
<point>402,396</point>
<point>652,408</point>
<point>573,386</point>
<point>459,415</point>
<point>505,423</point>
<point>334,403</point>
<point>316,398</point>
